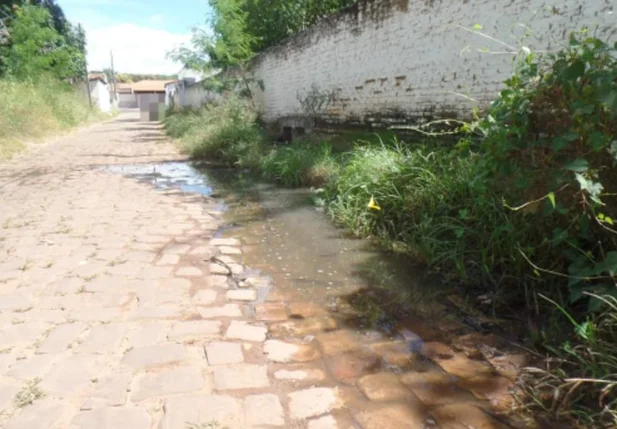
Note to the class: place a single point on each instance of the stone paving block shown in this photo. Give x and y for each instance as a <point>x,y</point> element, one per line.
<point>282,352</point>
<point>182,411</point>
<point>8,390</point>
<point>325,422</point>
<point>455,416</point>
<point>224,353</point>
<point>155,273</point>
<point>308,375</point>
<point>346,367</point>
<point>160,354</point>
<point>168,259</point>
<point>313,402</point>
<point>197,330</point>
<point>22,333</point>
<point>189,272</point>
<point>396,353</point>
<point>15,302</point>
<point>240,330</point>
<point>303,327</point>
<point>228,310</point>
<point>61,337</point>
<point>270,312</point>
<point>201,251</point>
<point>96,314</point>
<point>70,376</point>
<point>167,382</point>
<point>43,414</point>
<point>177,249</point>
<point>31,367</point>
<point>338,341</point>
<point>241,376</point>
<point>112,418</point>
<point>228,250</point>
<point>392,416</point>
<point>219,269</point>
<point>103,339</point>
<point>204,297</point>
<point>242,295</point>
<point>108,391</point>
<point>435,388</point>
<point>225,242</point>
<point>385,387</point>
<point>167,311</point>
<point>305,309</point>
<point>219,281</point>
<point>263,410</point>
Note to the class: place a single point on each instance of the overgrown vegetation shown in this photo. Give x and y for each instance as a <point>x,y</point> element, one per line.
<point>521,209</point>
<point>43,56</point>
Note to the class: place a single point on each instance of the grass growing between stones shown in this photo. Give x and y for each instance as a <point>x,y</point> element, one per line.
<point>28,394</point>
<point>29,112</point>
<point>209,425</point>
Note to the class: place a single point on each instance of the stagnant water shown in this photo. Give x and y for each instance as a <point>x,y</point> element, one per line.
<point>288,238</point>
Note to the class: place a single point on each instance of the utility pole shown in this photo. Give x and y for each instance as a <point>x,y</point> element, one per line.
<point>113,78</point>
<point>87,81</point>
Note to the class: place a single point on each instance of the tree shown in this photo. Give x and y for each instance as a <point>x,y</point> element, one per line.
<point>36,48</point>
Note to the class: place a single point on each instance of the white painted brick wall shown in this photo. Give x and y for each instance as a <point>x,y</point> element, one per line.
<point>413,59</point>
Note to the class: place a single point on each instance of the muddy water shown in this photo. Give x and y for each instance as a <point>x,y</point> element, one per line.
<point>386,304</point>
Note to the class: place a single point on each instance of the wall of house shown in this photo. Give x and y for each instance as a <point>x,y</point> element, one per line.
<point>127,100</point>
<point>195,96</point>
<point>391,61</point>
<point>99,93</point>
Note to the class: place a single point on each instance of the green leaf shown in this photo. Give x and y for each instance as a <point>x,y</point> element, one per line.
<point>551,197</point>
<point>594,189</point>
<point>579,165</point>
<point>609,220</point>
<point>574,70</point>
<point>559,143</point>
<point>608,265</point>
<point>477,27</point>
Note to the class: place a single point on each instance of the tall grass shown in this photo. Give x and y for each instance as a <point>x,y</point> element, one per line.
<point>31,111</point>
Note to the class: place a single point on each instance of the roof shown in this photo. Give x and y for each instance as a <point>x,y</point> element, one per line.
<point>97,76</point>
<point>150,85</point>
<point>124,87</point>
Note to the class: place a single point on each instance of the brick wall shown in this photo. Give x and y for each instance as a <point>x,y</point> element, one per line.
<point>389,61</point>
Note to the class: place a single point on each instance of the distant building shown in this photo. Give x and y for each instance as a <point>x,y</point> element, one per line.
<point>126,97</point>
<point>99,91</point>
<point>150,95</point>
<point>187,91</point>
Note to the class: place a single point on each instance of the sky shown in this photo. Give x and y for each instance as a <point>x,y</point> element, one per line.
<point>139,32</point>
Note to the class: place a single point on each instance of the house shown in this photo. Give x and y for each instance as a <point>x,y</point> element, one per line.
<point>150,95</point>
<point>187,91</point>
<point>126,97</point>
<point>99,91</point>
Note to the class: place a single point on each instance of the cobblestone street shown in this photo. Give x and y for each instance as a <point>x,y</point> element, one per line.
<point>121,309</point>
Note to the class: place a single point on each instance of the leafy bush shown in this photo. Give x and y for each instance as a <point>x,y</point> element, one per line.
<point>31,111</point>
<point>177,124</point>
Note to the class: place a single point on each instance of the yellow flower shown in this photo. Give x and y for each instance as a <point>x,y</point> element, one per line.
<point>373,205</point>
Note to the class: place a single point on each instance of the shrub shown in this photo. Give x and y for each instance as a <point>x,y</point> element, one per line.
<point>300,164</point>
<point>30,111</point>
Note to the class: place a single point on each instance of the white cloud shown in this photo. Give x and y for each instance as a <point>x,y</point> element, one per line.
<point>136,49</point>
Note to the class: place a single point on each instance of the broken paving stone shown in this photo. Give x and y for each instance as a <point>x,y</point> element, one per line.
<point>385,387</point>
<point>241,376</point>
<point>313,402</point>
<point>263,410</point>
<point>282,352</point>
<point>167,382</point>
<point>228,310</point>
<point>225,242</point>
<point>194,330</point>
<point>241,330</point>
<point>338,342</point>
<point>112,418</point>
<point>242,295</point>
<point>189,272</point>
<point>160,354</point>
<point>183,411</point>
<point>223,353</point>
<point>270,312</point>
<point>393,416</point>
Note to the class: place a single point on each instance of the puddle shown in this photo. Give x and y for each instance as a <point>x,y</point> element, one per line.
<point>383,301</point>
